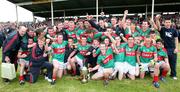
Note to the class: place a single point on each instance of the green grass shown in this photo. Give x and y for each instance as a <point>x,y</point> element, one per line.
<point>70,84</point>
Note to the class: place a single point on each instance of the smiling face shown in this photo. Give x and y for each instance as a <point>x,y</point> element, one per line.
<point>167,23</point>
<point>103,48</point>
<point>83,40</point>
<point>130,41</point>
<point>145,25</point>
<point>159,45</point>
<point>113,21</point>
<point>22,30</point>
<point>60,39</point>
<point>71,26</point>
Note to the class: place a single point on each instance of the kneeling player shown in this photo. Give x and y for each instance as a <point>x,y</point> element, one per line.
<point>162,59</point>
<point>147,57</point>
<point>130,58</point>
<point>39,60</point>
<point>105,64</point>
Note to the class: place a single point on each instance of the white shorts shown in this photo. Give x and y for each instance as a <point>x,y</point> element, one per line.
<point>79,61</point>
<point>146,67</point>
<point>103,70</point>
<point>21,61</point>
<point>59,65</point>
<point>119,66</point>
<point>129,69</point>
<point>161,63</point>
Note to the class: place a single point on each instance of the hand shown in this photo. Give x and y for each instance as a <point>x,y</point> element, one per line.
<point>44,55</point>
<point>23,55</point>
<point>54,39</point>
<point>34,44</point>
<point>102,13</point>
<point>7,59</point>
<point>126,12</point>
<point>121,35</point>
<point>175,50</point>
<point>94,50</point>
<point>89,17</point>
<point>158,16</point>
<point>48,41</point>
<point>69,59</point>
<point>88,53</point>
<point>90,69</point>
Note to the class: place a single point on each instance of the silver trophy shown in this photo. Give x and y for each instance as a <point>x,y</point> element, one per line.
<point>84,74</point>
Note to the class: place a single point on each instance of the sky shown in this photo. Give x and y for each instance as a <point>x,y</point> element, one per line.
<point>8,12</point>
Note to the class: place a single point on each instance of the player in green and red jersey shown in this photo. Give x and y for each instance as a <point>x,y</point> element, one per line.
<point>24,57</point>
<point>79,54</point>
<point>162,59</point>
<point>105,61</point>
<point>119,58</point>
<point>71,31</point>
<point>145,30</point>
<point>58,55</point>
<point>130,58</point>
<point>105,64</point>
<point>147,58</point>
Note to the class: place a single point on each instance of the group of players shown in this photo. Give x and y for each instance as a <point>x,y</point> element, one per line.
<point>118,48</point>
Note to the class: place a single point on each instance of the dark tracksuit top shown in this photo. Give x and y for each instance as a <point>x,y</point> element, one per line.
<point>11,46</point>
<point>37,58</point>
<point>2,38</point>
<point>38,62</point>
<point>100,29</point>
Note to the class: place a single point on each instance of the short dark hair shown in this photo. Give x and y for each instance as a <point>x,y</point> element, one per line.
<point>160,40</point>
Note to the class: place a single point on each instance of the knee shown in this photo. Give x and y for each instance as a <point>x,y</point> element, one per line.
<point>156,66</point>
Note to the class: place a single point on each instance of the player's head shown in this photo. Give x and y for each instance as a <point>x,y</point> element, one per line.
<point>145,25</point>
<point>128,22</point>
<point>59,38</point>
<point>103,48</point>
<point>153,35</point>
<point>148,40</point>
<point>101,23</point>
<point>137,40</point>
<point>83,40</point>
<point>96,42</point>
<point>118,39</point>
<point>60,26</point>
<point>41,41</point>
<point>51,31</point>
<point>106,41</point>
<point>71,25</point>
<point>167,22</point>
<point>22,30</point>
<point>30,32</point>
<point>30,41</point>
<point>70,41</point>
<point>113,20</point>
<point>130,39</point>
<point>133,27</point>
<point>159,43</point>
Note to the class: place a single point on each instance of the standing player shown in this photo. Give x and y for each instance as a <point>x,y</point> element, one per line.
<point>170,37</point>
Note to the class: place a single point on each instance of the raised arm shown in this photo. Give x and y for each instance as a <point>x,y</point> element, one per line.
<point>158,22</point>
